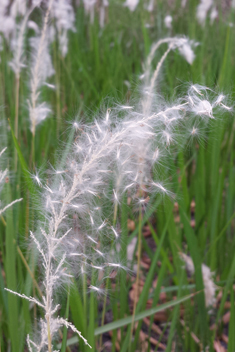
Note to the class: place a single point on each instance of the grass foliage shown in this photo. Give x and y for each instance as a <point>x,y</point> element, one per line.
<point>102,67</point>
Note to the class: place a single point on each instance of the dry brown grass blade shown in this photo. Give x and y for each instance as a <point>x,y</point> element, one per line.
<point>154,327</point>
<point>218,347</point>
<point>194,337</point>
<point>224,320</point>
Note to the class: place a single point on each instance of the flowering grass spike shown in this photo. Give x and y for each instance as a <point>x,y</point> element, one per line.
<point>113,156</point>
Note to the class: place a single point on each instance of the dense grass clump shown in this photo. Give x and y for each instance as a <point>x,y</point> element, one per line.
<point>128,233</point>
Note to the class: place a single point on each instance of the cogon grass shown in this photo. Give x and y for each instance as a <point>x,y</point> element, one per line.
<point>15,16</point>
<point>121,147</point>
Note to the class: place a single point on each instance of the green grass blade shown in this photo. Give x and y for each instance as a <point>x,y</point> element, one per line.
<point>24,165</point>
<point>63,346</point>
<point>195,254</point>
<point>126,321</point>
<point>11,277</point>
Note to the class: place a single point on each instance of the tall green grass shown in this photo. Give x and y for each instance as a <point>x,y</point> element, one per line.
<point>93,73</point>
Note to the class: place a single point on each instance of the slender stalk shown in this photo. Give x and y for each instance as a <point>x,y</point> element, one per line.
<point>84,284</point>
<point>49,334</point>
<point>48,306</point>
<point>148,102</point>
<point>137,275</point>
<point>115,213</point>
<point>29,270</point>
<point>35,81</point>
<point>17,113</point>
<point>34,309</point>
<point>107,282</point>
<point>27,216</point>
<point>17,105</point>
<point>33,150</point>
<point>58,110</point>
<point>58,107</point>
<point>146,110</point>
<point>3,220</point>
<point>16,63</point>
<point>103,311</point>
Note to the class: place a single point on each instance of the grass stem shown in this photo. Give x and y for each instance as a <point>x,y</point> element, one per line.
<point>137,275</point>
<point>17,113</point>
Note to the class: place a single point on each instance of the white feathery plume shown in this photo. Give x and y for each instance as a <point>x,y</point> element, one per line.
<point>17,42</point>
<point>131,4</point>
<point>33,25</point>
<point>7,22</point>
<point>63,12</point>
<point>103,6</point>
<point>213,15</point>
<point>54,265</point>
<point>18,7</point>
<point>207,276</point>
<point>41,69</point>
<point>121,147</point>
<point>168,21</point>
<point>17,45</point>
<point>9,11</point>
<point>89,6</point>
<point>183,44</point>
<point>150,6</point>
<point>185,49</point>
<point>202,10</point>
